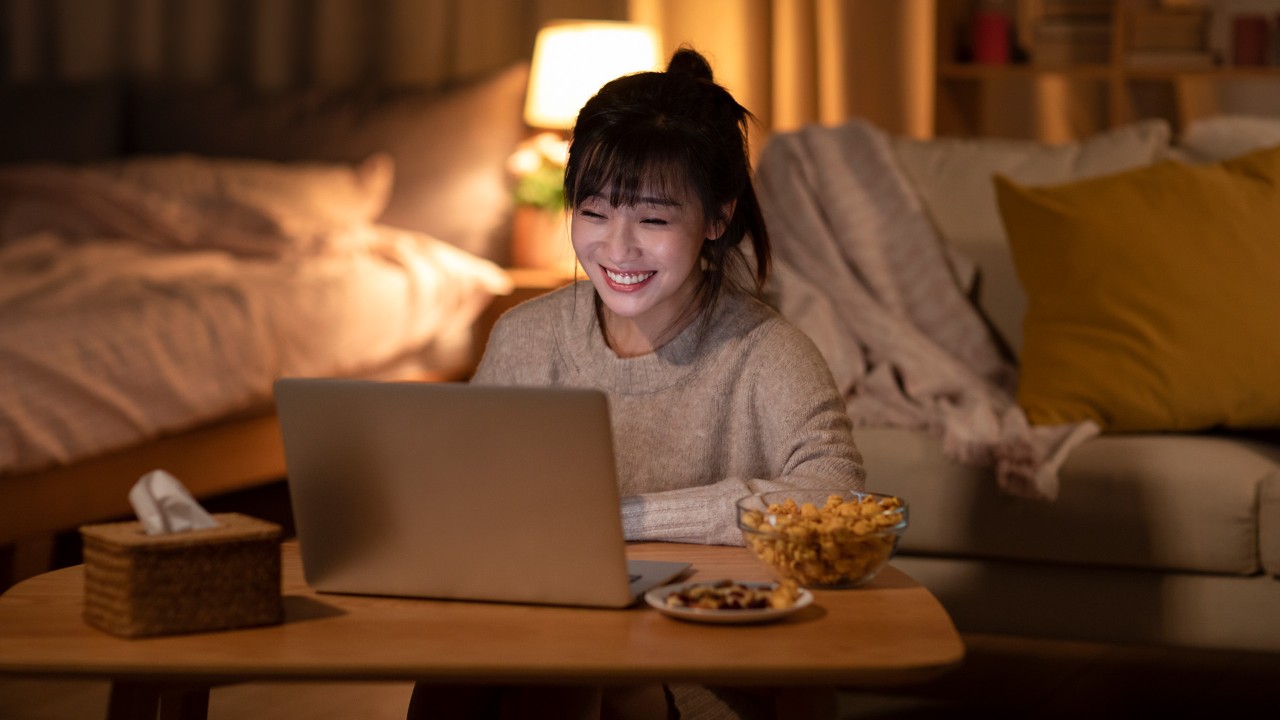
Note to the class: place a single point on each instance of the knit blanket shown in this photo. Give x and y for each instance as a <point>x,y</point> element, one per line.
<point>860,268</point>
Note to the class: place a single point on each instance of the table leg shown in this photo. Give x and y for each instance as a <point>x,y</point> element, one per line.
<point>191,703</point>
<point>806,704</point>
<point>149,701</point>
<point>133,701</point>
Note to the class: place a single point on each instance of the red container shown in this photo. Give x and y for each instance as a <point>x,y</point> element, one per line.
<point>991,38</point>
<point>1250,40</point>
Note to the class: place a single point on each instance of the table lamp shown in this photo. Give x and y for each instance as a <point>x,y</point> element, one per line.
<point>572,59</point>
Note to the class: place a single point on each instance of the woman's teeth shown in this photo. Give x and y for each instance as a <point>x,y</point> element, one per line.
<point>628,278</point>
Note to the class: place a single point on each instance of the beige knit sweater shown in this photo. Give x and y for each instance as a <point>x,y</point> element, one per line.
<point>749,407</point>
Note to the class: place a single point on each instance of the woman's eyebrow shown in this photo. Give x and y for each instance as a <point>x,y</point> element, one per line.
<point>662,201</point>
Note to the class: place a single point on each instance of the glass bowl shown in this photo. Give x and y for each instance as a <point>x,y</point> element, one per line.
<point>823,538</point>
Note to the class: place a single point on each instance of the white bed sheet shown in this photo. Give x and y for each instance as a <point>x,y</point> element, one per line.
<point>107,343</point>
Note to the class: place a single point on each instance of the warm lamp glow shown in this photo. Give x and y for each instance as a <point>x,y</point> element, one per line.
<point>572,59</point>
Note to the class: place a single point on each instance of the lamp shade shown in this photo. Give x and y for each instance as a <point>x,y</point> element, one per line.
<point>572,59</point>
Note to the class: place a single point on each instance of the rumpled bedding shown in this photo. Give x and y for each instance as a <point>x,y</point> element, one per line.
<point>862,271</point>
<point>126,314</point>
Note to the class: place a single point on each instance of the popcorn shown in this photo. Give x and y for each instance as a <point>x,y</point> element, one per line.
<point>839,543</point>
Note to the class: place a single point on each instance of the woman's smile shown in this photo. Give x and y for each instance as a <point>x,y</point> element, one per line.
<point>627,280</point>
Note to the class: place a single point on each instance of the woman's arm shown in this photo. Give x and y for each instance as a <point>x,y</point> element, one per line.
<point>799,421</point>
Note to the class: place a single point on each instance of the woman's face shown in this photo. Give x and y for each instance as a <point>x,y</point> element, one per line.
<point>643,260</point>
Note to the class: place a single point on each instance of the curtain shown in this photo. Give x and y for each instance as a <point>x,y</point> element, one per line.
<point>275,43</point>
<point>797,62</point>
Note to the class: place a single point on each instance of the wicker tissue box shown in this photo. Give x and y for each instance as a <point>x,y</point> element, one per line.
<point>224,577</point>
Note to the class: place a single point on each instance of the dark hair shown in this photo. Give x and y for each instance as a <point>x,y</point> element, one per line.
<point>664,132</point>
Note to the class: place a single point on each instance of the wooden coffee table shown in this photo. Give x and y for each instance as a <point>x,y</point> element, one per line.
<point>889,632</point>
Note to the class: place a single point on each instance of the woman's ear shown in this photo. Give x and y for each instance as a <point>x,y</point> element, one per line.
<point>717,226</point>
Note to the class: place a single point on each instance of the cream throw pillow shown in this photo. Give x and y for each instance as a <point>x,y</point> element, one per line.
<point>1153,295</point>
<point>1227,136</point>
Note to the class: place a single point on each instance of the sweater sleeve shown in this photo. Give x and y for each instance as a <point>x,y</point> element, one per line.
<point>799,419</point>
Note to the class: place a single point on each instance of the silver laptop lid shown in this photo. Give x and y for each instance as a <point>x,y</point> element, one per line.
<point>454,491</point>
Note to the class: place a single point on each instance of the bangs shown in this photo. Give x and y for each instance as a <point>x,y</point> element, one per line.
<point>627,171</point>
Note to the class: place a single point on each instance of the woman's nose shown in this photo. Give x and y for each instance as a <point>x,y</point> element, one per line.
<point>622,242</point>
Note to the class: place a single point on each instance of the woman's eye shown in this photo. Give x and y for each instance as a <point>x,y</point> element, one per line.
<point>590,214</point>
<point>654,221</point>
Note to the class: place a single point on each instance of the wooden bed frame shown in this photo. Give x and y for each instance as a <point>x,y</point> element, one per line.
<point>34,507</point>
<point>226,456</point>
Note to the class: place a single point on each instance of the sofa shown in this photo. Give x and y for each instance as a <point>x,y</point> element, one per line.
<point>1164,526</point>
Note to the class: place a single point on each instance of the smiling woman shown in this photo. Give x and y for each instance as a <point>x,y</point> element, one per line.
<point>712,395</point>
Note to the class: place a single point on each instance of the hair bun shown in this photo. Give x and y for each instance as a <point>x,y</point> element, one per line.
<point>687,61</point>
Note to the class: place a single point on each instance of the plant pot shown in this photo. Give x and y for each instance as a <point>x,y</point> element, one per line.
<point>540,239</point>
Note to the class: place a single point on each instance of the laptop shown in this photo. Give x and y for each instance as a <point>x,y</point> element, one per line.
<point>449,490</point>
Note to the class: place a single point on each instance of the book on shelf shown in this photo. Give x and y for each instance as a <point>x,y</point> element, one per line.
<point>1078,31</point>
<point>1045,28</point>
<point>1176,29</point>
<point>1059,41</point>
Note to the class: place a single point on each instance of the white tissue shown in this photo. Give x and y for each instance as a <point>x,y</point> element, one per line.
<point>164,505</point>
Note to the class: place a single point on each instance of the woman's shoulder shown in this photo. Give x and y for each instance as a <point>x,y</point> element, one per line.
<point>766,335</point>
<point>746,314</point>
<point>527,338</point>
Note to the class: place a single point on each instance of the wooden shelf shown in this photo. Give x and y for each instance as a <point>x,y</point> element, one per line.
<point>1057,102</point>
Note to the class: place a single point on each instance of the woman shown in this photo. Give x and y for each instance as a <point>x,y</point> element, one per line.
<point>712,395</point>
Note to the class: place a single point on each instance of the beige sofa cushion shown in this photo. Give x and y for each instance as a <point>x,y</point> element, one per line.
<point>1179,502</point>
<point>953,178</point>
<point>1269,524</point>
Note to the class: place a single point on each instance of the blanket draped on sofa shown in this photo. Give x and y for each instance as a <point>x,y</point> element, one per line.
<point>860,268</point>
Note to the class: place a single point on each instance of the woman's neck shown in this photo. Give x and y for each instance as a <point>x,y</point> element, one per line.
<point>629,339</point>
<point>626,340</point>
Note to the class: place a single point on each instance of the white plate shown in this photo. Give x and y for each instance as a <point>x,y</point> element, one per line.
<point>657,599</point>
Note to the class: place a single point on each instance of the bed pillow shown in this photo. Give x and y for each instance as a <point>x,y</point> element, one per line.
<point>952,177</point>
<point>449,145</point>
<point>301,200</point>
<point>1228,136</point>
<point>245,207</point>
<point>1152,295</point>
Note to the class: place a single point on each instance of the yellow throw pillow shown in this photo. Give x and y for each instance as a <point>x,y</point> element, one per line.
<point>1153,295</point>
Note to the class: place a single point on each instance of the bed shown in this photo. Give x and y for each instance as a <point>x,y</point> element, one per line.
<point>166,252</point>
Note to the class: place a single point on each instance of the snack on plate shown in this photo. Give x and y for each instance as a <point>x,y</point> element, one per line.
<point>729,595</point>
<point>843,542</point>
